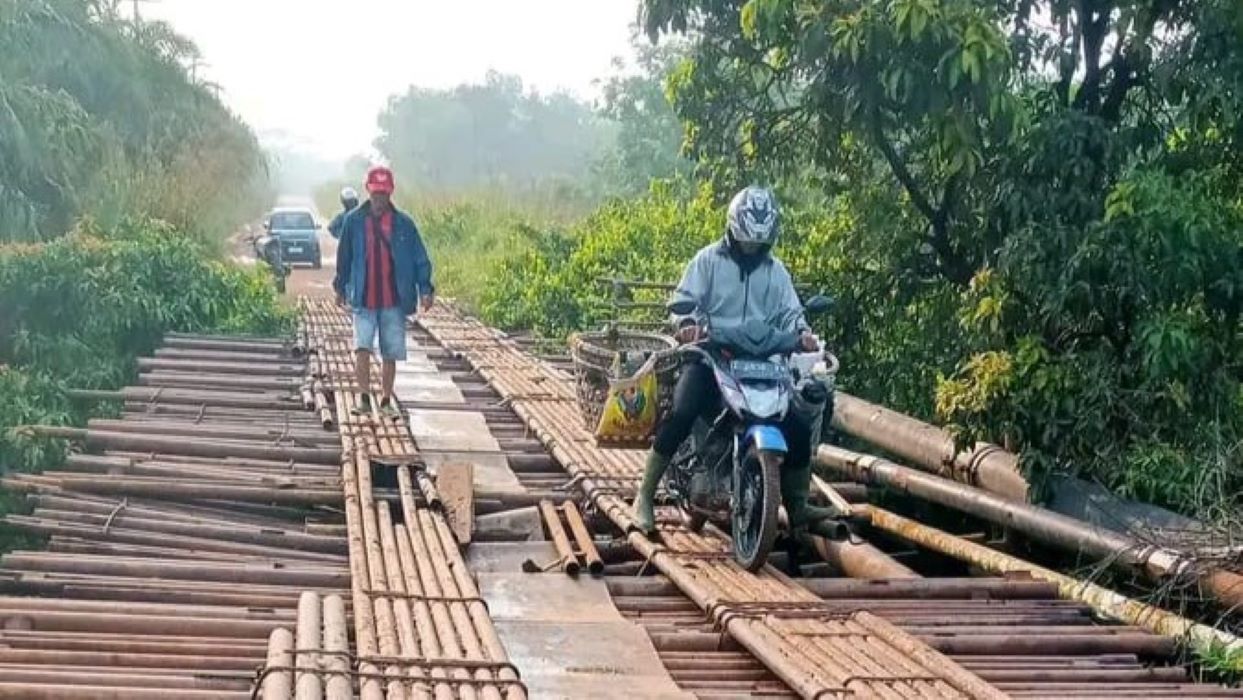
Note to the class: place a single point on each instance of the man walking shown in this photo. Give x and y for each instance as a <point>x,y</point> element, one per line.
<point>383,274</point>
<point>349,200</point>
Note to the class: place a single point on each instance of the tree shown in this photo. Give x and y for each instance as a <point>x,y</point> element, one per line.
<point>1068,189</point>
<point>99,115</point>
<point>649,134</point>
<point>492,135</point>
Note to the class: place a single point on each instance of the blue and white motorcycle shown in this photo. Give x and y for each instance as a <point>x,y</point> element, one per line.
<point>728,470</point>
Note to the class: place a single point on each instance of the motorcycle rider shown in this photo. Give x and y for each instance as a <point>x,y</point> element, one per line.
<point>349,202</point>
<point>731,281</point>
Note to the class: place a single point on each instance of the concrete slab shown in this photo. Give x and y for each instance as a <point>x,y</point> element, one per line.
<point>462,431</point>
<point>564,635</point>
<point>587,660</point>
<point>547,597</point>
<point>426,386</point>
<point>507,557</point>
<point>519,524</point>
<point>492,472</point>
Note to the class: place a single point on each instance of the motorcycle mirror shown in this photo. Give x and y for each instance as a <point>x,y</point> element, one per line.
<point>818,304</point>
<point>682,308</point>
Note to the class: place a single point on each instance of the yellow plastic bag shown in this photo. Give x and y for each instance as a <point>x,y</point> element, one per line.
<point>629,414</point>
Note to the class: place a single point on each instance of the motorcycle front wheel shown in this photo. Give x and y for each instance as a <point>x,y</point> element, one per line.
<point>757,494</point>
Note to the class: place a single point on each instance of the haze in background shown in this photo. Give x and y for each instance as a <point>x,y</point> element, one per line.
<point>311,77</point>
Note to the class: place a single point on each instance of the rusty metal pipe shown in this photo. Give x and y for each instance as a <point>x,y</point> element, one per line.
<point>98,439</point>
<point>60,657</point>
<point>314,576</point>
<point>586,544</point>
<point>364,614</point>
<point>61,691</point>
<point>337,643</point>
<point>1106,602</point>
<point>986,466</point>
<point>1040,524</point>
<point>859,559</point>
<point>284,368</point>
<point>1145,645</point>
<point>172,489</point>
<point>307,683</point>
<point>295,437</point>
<point>144,643</point>
<point>149,396</point>
<point>569,561</point>
<point>172,380</point>
<point>274,348</point>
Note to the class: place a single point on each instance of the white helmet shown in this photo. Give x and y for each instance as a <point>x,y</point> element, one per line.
<point>349,198</point>
<point>753,217</point>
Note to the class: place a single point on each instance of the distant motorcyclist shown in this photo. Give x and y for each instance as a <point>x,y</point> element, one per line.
<point>730,282</point>
<point>349,202</point>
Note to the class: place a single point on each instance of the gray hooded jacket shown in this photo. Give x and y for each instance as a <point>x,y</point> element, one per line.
<point>726,295</point>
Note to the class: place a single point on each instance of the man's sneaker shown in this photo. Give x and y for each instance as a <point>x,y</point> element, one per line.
<point>389,409</point>
<point>363,407</point>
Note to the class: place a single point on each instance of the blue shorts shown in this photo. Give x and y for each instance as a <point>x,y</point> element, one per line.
<point>389,323</point>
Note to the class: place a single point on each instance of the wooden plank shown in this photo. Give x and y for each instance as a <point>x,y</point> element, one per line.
<point>456,484</point>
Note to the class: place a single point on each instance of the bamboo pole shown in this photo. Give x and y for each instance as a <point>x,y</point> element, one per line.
<point>278,685</point>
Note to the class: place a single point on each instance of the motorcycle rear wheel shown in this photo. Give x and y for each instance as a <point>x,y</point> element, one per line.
<point>757,494</point>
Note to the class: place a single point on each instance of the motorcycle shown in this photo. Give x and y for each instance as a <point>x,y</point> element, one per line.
<point>268,249</point>
<point>728,470</point>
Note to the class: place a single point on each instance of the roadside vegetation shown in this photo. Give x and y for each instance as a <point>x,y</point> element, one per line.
<point>120,176</point>
<point>1031,218</point>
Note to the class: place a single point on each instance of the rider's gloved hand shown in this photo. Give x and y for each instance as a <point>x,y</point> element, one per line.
<point>688,333</point>
<point>809,341</point>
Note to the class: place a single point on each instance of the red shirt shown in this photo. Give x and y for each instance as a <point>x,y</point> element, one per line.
<point>381,288</point>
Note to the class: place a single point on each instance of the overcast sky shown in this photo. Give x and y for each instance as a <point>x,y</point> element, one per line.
<point>321,70</point>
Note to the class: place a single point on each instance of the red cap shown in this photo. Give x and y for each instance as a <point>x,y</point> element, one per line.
<point>380,179</point>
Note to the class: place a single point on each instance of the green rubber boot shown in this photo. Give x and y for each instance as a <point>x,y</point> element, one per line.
<point>644,503</point>
<point>795,490</point>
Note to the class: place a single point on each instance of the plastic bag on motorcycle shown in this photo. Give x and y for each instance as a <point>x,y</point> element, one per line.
<point>631,407</point>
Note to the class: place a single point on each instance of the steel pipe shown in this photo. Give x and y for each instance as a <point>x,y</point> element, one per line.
<point>569,561</point>
<point>859,559</point>
<point>1106,602</point>
<point>307,683</point>
<point>99,439</point>
<point>1040,524</point>
<point>278,683</point>
<point>582,536</point>
<point>987,466</point>
<point>337,644</point>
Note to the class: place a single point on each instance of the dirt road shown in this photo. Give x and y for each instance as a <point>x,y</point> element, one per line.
<point>304,281</point>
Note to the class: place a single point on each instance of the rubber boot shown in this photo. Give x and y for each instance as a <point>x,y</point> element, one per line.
<point>795,489</point>
<point>644,503</point>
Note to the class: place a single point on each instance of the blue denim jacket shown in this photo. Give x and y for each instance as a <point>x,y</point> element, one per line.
<point>412,269</point>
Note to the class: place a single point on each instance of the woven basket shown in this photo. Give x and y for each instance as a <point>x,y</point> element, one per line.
<point>612,354</point>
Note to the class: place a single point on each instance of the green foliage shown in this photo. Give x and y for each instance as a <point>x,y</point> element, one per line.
<point>1126,343</point>
<point>550,286</point>
<point>99,116</point>
<point>1029,212</point>
<point>649,135</point>
<point>80,309</point>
